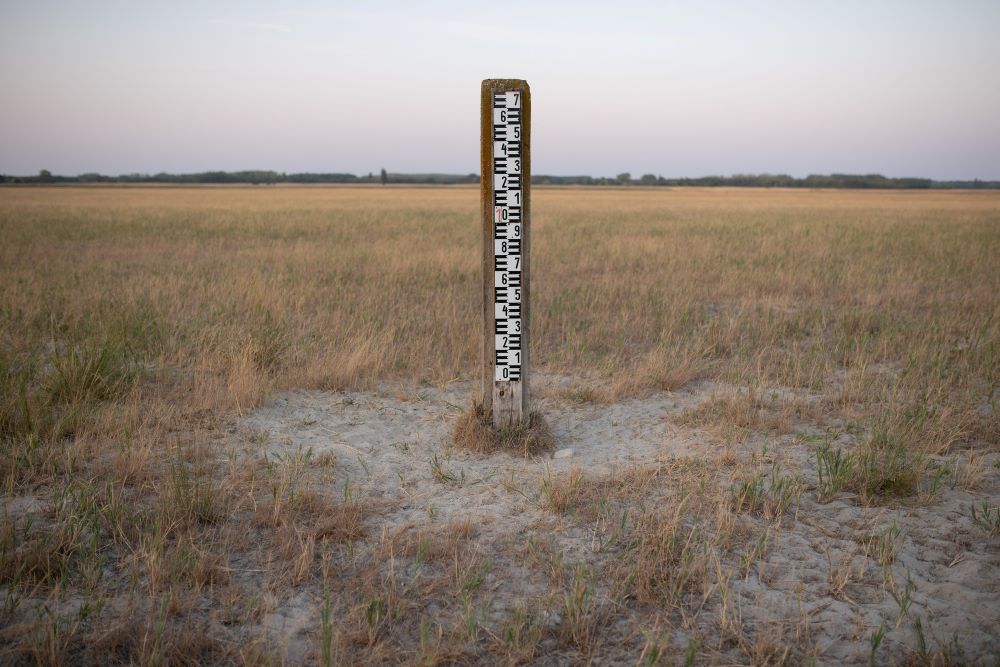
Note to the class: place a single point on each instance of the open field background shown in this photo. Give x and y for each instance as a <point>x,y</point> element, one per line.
<point>829,349</point>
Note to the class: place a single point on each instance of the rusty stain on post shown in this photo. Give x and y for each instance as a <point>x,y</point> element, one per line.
<point>507,401</point>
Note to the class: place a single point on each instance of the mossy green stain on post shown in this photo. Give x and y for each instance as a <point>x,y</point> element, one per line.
<point>508,401</point>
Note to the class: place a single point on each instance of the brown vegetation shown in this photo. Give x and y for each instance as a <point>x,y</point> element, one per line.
<point>139,525</point>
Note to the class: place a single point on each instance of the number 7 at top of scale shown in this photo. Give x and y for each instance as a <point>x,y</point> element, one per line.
<point>510,99</point>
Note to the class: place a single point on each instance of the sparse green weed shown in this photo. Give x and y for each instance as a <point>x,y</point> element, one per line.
<point>770,496</point>
<point>987,518</point>
<point>835,469</point>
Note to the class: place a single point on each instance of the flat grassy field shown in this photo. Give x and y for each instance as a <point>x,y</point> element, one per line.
<point>784,376</point>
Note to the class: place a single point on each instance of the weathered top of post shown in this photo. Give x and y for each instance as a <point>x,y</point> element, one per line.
<point>504,84</point>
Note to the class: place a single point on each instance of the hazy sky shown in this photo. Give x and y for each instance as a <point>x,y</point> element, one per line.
<point>672,88</point>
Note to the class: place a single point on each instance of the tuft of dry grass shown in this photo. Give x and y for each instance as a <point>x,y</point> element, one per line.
<point>474,431</point>
<point>670,557</point>
<point>668,366</point>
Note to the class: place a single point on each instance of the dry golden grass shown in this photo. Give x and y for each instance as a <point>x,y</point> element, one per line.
<point>226,294</point>
<point>136,322</point>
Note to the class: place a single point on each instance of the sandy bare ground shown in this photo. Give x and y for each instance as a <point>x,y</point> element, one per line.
<point>808,584</point>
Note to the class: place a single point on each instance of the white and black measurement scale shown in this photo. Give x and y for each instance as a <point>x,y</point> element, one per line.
<point>506,183</point>
<point>507,234</point>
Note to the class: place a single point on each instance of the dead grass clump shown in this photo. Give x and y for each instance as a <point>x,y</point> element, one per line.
<point>745,411</point>
<point>663,555</point>
<point>475,432</point>
<point>46,555</point>
<point>437,544</point>
<point>664,368</point>
<point>356,362</point>
<point>409,594</point>
<point>579,393</point>
<point>192,560</point>
<point>519,636</point>
<point>590,498</point>
<point>301,527</point>
<point>247,379</point>
<point>887,468</point>
<point>341,522</point>
<point>769,496</point>
<point>564,492</point>
<point>48,397</point>
<point>582,612</point>
<point>670,556</point>
<point>90,373</point>
<point>151,640</point>
<point>192,496</point>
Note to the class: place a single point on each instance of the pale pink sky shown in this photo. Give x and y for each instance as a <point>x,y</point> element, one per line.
<point>672,88</point>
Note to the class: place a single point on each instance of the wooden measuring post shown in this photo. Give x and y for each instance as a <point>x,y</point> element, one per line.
<point>506,211</point>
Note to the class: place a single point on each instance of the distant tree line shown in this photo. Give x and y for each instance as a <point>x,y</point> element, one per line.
<point>849,181</point>
<point>260,177</point>
<point>251,177</point>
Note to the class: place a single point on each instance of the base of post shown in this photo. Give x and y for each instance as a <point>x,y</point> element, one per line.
<point>508,404</point>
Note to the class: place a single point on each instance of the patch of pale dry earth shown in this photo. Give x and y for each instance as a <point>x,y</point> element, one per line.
<point>812,585</point>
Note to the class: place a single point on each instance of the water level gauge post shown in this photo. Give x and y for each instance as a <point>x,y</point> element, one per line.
<point>506,218</point>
